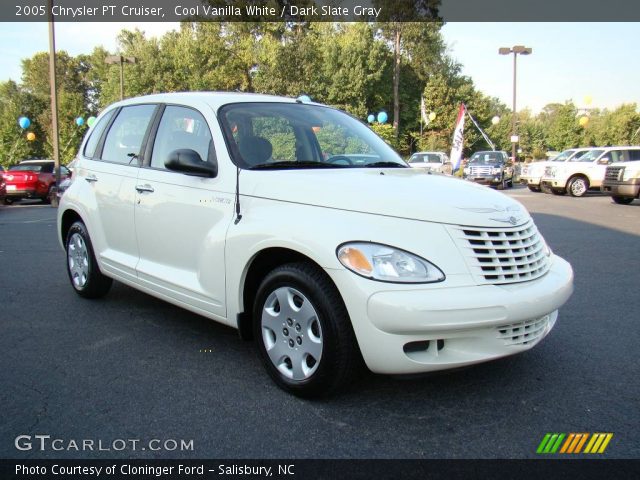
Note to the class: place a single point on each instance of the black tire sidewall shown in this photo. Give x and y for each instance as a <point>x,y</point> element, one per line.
<point>93,287</point>
<point>292,276</point>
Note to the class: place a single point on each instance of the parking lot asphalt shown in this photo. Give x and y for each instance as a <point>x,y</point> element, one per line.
<point>130,366</point>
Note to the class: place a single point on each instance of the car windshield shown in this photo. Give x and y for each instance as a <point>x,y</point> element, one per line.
<point>590,156</point>
<point>562,157</point>
<point>425,158</point>
<point>486,158</point>
<point>295,135</point>
<point>26,167</point>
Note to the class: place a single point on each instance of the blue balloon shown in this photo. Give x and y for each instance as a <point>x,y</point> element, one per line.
<point>79,121</point>
<point>371,118</point>
<point>383,117</point>
<point>24,122</point>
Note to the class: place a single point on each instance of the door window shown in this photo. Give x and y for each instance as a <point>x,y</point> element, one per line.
<point>95,134</point>
<point>181,128</point>
<point>124,140</point>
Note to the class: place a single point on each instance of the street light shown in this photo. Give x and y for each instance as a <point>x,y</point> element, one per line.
<point>115,59</point>
<point>516,50</point>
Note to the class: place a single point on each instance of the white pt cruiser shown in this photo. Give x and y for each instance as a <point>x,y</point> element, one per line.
<point>247,209</point>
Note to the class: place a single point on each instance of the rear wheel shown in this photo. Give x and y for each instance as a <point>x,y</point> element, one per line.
<point>7,201</point>
<point>622,200</point>
<point>534,188</point>
<point>303,331</point>
<point>82,267</point>
<point>578,186</point>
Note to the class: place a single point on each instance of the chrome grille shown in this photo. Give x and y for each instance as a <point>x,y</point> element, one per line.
<point>480,171</point>
<point>523,333</point>
<point>614,173</point>
<point>503,255</point>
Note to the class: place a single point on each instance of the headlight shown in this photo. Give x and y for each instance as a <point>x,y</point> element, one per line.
<point>629,174</point>
<point>552,171</point>
<point>495,171</point>
<point>466,170</point>
<point>387,264</point>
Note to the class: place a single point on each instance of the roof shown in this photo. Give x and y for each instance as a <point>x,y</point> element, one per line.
<point>213,99</point>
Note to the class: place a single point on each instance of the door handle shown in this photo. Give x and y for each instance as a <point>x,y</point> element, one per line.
<point>91,179</point>
<point>144,188</point>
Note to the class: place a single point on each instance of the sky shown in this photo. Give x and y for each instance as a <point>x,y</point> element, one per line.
<point>570,61</point>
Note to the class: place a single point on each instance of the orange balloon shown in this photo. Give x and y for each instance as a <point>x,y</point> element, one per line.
<point>31,136</point>
<point>583,121</point>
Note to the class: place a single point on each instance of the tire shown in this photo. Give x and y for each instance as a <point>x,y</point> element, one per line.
<point>85,275</point>
<point>534,189</point>
<point>577,186</point>
<point>47,199</point>
<point>7,201</point>
<point>555,191</point>
<point>510,183</point>
<point>308,348</point>
<point>622,200</point>
<point>501,185</point>
<point>545,189</point>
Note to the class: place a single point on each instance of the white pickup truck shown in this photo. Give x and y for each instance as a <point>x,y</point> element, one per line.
<point>578,175</point>
<point>532,173</point>
<point>622,180</point>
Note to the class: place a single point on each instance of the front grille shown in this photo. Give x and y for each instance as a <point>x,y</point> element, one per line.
<point>614,173</point>
<point>480,171</point>
<point>523,333</point>
<point>503,255</point>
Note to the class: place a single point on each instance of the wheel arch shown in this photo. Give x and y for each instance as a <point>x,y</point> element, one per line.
<point>258,267</point>
<point>68,218</point>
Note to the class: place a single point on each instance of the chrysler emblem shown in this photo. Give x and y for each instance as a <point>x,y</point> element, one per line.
<point>512,219</point>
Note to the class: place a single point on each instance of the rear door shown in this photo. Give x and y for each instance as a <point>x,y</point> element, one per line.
<point>108,173</point>
<point>181,220</point>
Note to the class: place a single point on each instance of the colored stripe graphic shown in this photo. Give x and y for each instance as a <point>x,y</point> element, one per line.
<point>574,442</point>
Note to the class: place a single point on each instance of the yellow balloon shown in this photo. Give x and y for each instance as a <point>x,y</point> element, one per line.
<point>432,116</point>
<point>31,136</point>
<point>588,100</point>
<point>583,121</point>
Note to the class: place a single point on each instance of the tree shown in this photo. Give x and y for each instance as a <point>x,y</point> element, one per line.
<point>15,103</point>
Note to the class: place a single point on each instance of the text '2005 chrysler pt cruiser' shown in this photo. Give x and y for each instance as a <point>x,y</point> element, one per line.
<point>296,224</point>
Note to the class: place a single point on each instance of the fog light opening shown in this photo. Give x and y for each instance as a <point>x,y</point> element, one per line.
<point>415,347</point>
<point>440,344</point>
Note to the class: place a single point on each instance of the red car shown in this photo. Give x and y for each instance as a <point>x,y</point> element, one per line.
<point>31,179</point>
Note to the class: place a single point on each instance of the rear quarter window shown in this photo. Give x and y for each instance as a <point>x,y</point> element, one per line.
<point>95,133</point>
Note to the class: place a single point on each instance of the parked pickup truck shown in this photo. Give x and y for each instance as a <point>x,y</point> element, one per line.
<point>532,173</point>
<point>490,168</point>
<point>622,180</point>
<point>31,179</point>
<point>578,175</point>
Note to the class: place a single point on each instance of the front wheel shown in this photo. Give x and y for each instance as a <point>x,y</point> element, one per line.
<point>622,200</point>
<point>578,186</point>
<point>534,189</point>
<point>82,267</point>
<point>303,331</point>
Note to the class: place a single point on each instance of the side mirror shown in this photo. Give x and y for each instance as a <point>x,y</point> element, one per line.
<point>603,161</point>
<point>189,162</point>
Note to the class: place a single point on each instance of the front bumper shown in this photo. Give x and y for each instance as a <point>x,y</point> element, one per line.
<point>629,188</point>
<point>492,180</point>
<point>531,181</point>
<point>428,329</point>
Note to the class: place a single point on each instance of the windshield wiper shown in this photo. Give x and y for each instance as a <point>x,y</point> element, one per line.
<point>385,164</point>
<point>293,165</point>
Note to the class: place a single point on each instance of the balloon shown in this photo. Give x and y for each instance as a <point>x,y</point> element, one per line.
<point>383,117</point>
<point>432,116</point>
<point>495,120</point>
<point>31,136</point>
<point>24,122</point>
<point>371,118</point>
<point>588,99</point>
<point>583,121</point>
<point>79,121</point>
<point>316,129</point>
<point>91,120</point>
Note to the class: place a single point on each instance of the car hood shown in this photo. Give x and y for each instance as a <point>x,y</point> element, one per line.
<point>403,193</point>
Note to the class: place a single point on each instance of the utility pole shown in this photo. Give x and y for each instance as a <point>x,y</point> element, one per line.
<point>54,95</point>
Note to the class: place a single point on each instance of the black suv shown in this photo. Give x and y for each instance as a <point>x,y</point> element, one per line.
<point>490,168</point>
